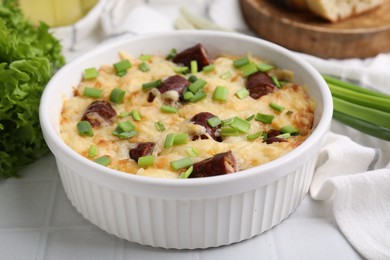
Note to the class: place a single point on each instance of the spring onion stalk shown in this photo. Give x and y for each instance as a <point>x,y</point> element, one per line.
<point>264,67</point>
<point>125,114</point>
<point>126,126</point>
<point>226,75</point>
<point>220,93</point>
<point>90,73</point>
<point>198,96</point>
<point>181,163</point>
<point>240,62</point>
<point>145,57</point>
<point>254,136</point>
<point>192,152</point>
<point>159,126</point>
<point>188,95</point>
<point>168,143</point>
<point>180,139</point>
<point>92,92</point>
<point>194,66</point>
<point>192,78</point>
<point>264,118</point>
<point>187,173</point>
<point>284,136</point>
<point>168,109</point>
<point>150,85</point>
<point>117,95</point>
<point>171,54</point>
<point>180,69</point>
<point>289,129</point>
<point>250,118</point>
<point>229,131</point>
<point>121,67</point>
<point>208,68</point>
<point>92,151</point>
<point>276,82</point>
<point>214,121</point>
<point>104,160</point>
<point>136,115</point>
<point>240,124</point>
<point>242,93</point>
<point>143,67</point>
<point>276,107</point>
<point>84,128</point>
<point>197,85</point>
<point>146,161</point>
<point>248,69</point>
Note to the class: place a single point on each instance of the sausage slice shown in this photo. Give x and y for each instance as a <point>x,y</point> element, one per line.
<point>201,119</point>
<point>142,149</point>
<point>271,137</point>
<point>99,112</point>
<point>222,163</point>
<point>260,84</point>
<point>197,52</point>
<point>176,83</point>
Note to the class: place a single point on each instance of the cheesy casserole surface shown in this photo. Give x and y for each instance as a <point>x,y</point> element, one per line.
<point>186,115</point>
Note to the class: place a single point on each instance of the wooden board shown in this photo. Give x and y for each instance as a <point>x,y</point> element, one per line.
<point>360,36</point>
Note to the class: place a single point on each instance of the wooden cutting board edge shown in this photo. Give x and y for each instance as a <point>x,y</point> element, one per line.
<point>280,27</point>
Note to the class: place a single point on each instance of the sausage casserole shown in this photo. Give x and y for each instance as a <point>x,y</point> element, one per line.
<point>186,115</point>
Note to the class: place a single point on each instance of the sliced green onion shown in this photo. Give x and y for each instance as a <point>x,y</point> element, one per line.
<point>197,85</point>
<point>220,93</point>
<point>92,151</point>
<point>117,95</point>
<point>249,69</point>
<point>208,68</point>
<point>168,109</point>
<point>194,66</point>
<point>181,163</point>
<point>143,67</point>
<point>104,160</point>
<point>168,143</point>
<point>264,118</point>
<point>276,107</point>
<point>146,161</point>
<point>198,96</point>
<point>136,115</point>
<point>240,124</point>
<point>289,129</point>
<point>124,114</point>
<point>229,131</point>
<point>180,69</point>
<point>254,136</point>
<point>159,126</point>
<point>192,78</point>
<point>171,54</point>
<point>214,121</point>
<point>264,67</point>
<point>122,66</point>
<point>192,152</point>
<point>150,85</point>
<point>180,139</point>
<point>250,118</point>
<point>240,62</point>
<point>276,82</point>
<point>226,75</point>
<point>242,93</point>
<point>126,126</point>
<point>92,92</point>
<point>124,135</point>
<point>187,173</point>
<point>188,95</point>
<point>84,128</point>
<point>145,57</point>
<point>284,136</point>
<point>227,121</point>
<point>90,73</point>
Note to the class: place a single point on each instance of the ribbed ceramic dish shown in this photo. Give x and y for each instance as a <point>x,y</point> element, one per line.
<point>186,213</point>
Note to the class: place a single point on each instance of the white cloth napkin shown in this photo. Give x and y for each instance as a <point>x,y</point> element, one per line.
<point>353,176</point>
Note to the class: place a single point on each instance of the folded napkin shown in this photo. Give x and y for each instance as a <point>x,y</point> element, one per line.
<point>355,177</point>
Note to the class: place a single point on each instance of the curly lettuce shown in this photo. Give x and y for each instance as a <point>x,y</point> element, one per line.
<point>29,56</point>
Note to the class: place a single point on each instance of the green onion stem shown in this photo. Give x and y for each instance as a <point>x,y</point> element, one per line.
<point>117,95</point>
<point>84,128</point>
<point>92,92</point>
<point>146,161</point>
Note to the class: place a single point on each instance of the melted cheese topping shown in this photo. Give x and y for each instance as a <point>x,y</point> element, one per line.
<point>298,113</point>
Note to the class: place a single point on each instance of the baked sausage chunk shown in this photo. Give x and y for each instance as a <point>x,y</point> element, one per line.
<point>197,52</point>
<point>219,164</point>
<point>99,113</point>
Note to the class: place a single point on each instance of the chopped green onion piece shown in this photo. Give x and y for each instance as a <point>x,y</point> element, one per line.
<point>198,96</point>
<point>289,129</point>
<point>254,136</point>
<point>220,93</point>
<point>242,93</point>
<point>92,151</point>
<point>194,66</point>
<point>145,57</point>
<point>264,67</point>
<point>276,107</point>
<point>143,67</point>
<point>188,95</point>
<point>240,124</point>
<point>284,136</point>
<point>276,82</point>
<point>124,114</point>
<point>226,75</point>
<point>150,85</point>
<point>92,92</point>
<point>171,54</point>
<point>192,152</point>
<point>181,163</point>
<point>240,62</point>
<point>249,69</point>
<point>121,67</point>
<point>228,121</point>
<point>90,73</point>
<point>250,118</point>
<point>187,173</point>
<point>214,121</point>
<point>264,118</point>
<point>136,115</point>
<point>159,126</point>
<point>197,85</point>
<point>124,135</point>
<point>146,161</point>
<point>180,69</point>
<point>117,95</point>
<point>126,126</point>
<point>84,128</point>
<point>168,109</point>
<point>208,68</point>
<point>229,131</point>
<point>192,78</point>
<point>180,139</point>
<point>104,160</point>
<point>168,143</point>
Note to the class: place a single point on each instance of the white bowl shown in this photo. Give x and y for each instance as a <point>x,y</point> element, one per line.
<point>186,213</point>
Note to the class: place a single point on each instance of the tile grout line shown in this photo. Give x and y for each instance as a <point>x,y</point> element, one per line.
<point>43,238</point>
